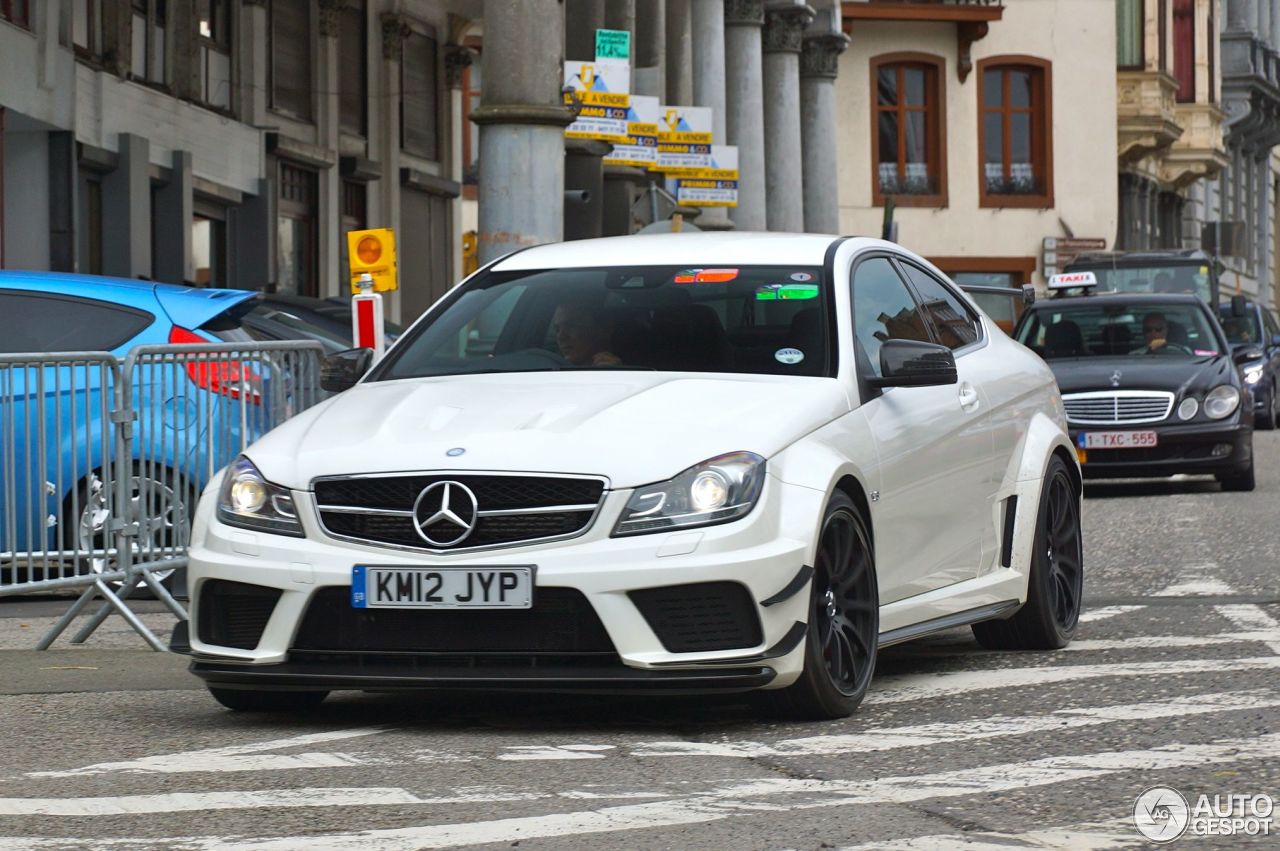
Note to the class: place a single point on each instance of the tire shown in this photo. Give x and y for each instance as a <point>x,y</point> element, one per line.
<point>1266,421</point>
<point>252,700</point>
<point>1241,482</point>
<point>844,621</point>
<point>1051,614</point>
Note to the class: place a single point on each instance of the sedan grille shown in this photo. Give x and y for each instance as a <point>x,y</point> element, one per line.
<point>508,509</point>
<point>1118,407</point>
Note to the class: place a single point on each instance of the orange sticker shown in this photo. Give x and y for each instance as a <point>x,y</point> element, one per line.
<point>706,276</point>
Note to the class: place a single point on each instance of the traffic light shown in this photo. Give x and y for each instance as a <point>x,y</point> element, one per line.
<point>372,252</point>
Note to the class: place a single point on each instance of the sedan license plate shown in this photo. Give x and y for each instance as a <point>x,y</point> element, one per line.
<point>1117,439</point>
<point>506,587</point>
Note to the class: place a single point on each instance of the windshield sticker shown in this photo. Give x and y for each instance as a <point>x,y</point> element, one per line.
<point>706,276</point>
<point>788,356</point>
<point>786,292</point>
<point>801,276</point>
<point>1205,353</point>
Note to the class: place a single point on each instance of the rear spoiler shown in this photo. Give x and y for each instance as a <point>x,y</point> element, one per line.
<point>190,307</point>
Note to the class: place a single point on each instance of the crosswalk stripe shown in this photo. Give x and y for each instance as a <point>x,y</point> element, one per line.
<point>1105,612</point>
<point>914,687</point>
<point>1136,642</point>
<point>1249,616</point>
<point>754,797</point>
<point>1097,836</point>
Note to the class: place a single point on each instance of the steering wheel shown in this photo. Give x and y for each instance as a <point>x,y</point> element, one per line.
<point>540,354</point>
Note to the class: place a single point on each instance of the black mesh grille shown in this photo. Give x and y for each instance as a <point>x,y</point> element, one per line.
<point>1169,452</point>
<point>700,617</point>
<point>560,621</point>
<point>234,614</point>
<point>493,493</point>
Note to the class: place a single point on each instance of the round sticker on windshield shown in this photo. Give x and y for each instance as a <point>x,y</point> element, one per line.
<point>788,356</point>
<point>801,276</point>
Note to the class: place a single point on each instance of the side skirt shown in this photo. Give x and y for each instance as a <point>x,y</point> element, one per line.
<point>968,616</point>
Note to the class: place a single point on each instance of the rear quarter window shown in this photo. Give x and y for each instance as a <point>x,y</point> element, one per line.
<point>45,322</point>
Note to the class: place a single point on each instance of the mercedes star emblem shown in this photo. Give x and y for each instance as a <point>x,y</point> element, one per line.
<point>445,513</point>
<point>1115,378</point>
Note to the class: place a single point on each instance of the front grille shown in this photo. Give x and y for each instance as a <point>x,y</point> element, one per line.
<point>1119,407</point>
<point>509,509</point>
<point>561,621</point>
<point>234,614</point>
<point>700,617</point>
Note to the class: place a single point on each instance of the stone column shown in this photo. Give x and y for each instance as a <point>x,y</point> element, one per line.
<point>126,210</point>
<point>522,123</point>
<point>174,205</point>
<point>584,169</point>
<point>328,73</point>
<point>679,53</point>
<point>581,20</point>
<point>707,17</point>
<point>649,53</point>
<point>819,62</point>
<point>1240,15</point>
<point>783,31</point>
<point>744,107</point>
<point>1264,20</point>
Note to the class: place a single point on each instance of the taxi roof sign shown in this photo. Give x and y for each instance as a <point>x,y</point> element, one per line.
<point>372,252</point>
<point>1073,279</point>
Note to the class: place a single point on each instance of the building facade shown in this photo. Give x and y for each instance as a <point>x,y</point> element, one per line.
<point>988,126</point>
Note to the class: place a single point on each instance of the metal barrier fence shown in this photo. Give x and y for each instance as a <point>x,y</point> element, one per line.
<point>102,460</point>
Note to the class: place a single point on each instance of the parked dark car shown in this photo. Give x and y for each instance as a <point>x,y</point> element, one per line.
<point>293,317</point>
<point>1149,385</point>
<point>1254,334</point>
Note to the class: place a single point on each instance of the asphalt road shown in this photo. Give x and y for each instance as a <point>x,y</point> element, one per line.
<point>1173,682</point>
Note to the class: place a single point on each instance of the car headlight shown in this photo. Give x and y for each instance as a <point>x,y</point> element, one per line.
<point>1221,401</point>
<point>249,501</point>
<point>718,490</point>
<point>1253,373</point>
<point>1188,408</point>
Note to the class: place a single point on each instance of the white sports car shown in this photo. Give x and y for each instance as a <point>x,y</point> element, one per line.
<point>695,463</point>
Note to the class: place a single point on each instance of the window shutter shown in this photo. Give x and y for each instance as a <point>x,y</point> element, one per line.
<point>291,86</point>
<point>353,72</point>
<point>418,97</point>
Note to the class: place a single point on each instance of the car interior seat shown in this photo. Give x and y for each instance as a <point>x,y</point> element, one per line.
<point>1177,333</point>
<point>1115,340</point>
<point>805,334</point>
<point>691,338</point>
<point>1063,339</point>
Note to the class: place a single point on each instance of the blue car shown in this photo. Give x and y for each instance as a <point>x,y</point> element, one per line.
<point>1254,334</point>
<point>55,434</point>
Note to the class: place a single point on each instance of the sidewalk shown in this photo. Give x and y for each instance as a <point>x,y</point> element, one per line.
<point>115,658</point>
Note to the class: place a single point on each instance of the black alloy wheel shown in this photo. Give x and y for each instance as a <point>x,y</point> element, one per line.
<point>1055,588</point>
<point>1266,421</point>
<point>844,619</point>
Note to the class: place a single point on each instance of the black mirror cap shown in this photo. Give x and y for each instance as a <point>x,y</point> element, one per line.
<point>1028,294</point>
<point>1239,305</point>
<point>1246,353</point>
<point>342,370</point>
<point>912,363</point>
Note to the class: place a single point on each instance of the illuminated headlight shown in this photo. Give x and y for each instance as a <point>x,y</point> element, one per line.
<point>1221,401</point>
<point>249,501</point>
<point>1253,374</point>
<point>716,491</point>
<point>1188,408</point>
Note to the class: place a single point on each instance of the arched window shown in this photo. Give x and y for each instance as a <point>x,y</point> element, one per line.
<point>1015,132</point>
<point>908,121</point>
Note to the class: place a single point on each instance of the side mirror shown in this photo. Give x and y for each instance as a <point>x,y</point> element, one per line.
<point>1246,353</point>
<point>1028,294</point>
<point>341,370</point>
<point>1239,306</point>
<point>911,363</point>
<point>1275,339</point>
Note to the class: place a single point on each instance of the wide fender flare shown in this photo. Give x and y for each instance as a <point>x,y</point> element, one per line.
<point>819,469</point>
<point>1044,438</point>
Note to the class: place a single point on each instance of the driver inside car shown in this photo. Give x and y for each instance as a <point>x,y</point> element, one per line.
<point>1155,334</point>
<point>582,334</point>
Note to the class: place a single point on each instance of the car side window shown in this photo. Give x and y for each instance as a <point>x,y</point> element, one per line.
<point>883,309</point>
<point>42,322</point>
<point>953,322</point>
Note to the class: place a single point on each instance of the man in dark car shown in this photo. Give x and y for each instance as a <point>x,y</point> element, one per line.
<point>1155,333</point>
<point>583,333</point>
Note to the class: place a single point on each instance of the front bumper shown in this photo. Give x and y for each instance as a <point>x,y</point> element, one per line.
<point>1202,448</point>
<point>764,553</point>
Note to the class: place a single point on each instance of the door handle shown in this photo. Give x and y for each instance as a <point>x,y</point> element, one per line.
<point>968,396</point>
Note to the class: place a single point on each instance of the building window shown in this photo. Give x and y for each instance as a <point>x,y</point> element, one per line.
<point>89,247</point>
<point>209,245</point>
<point>354,217</point>
<point>1130,33</point>
<point>353,94</point>
<point>86,27</point>
<point>1162,9</point>
<point>1015,133</point>
<point>908,126</point>
<point>147,36</point>
<point>214,18</point>
<point>419,99</point>
<point>289,33</point>
<point>1184,49</point>
<point>296,231</point>
<point>16,12</point>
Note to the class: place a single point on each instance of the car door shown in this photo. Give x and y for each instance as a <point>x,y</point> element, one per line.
<point>932,448</point>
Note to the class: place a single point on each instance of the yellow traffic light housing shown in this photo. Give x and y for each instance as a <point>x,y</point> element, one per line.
<point>372,252</point>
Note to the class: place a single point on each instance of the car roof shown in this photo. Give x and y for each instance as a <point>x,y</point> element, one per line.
<point>70,281</point>
<point>1131,298</point>
<point>679,249</point>
<point>1190,256</point>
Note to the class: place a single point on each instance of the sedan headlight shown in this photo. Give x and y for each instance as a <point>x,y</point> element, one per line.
<point>1253,373</point>
<point>716,491</point>
<point>1221,401</point>
<point>248,501</point>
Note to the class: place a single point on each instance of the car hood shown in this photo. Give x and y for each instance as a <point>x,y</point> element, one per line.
<point>1174,374</point>
<point>633,427</point>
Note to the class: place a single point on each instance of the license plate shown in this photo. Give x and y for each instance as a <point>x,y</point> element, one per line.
<point>1117,439</point>
<point>504,587</point>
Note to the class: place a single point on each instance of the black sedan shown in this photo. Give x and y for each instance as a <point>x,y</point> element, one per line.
<point>293,317</point>
<point>1149,385</point>
<point>1254,335</point>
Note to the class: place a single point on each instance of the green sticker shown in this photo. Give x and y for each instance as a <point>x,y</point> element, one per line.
<point>786,292</point>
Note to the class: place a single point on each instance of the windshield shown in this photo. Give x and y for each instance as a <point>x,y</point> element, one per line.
<point>1180,329</point>
<point>1240,330</point>
<point>1154,278</point>
<point>758,319</point>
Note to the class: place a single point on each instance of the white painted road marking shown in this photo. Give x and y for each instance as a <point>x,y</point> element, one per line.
<point>1248,616</point>
<point>1107,612</point>
<point>1097,836</point>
